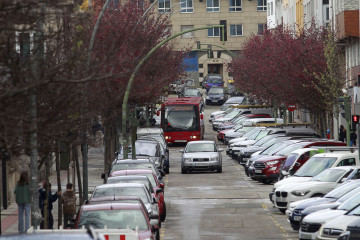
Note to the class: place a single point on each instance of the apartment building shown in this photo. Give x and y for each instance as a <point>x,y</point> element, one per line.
<point>241,19</point>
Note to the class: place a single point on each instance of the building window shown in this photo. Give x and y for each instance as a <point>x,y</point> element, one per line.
<point>261,5</point>
<point>186,6</point>
<point>164,6</point>
<point>236,30</point>
<point>261,28</point>
<point>214,32</point>
<point>189,34</point>
<point>235,6</point>
<point>212,5</point>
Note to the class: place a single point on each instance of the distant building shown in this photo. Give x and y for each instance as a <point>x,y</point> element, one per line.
<point>241,18</point>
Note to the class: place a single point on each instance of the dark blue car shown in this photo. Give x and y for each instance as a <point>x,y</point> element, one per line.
<point>213,80</point>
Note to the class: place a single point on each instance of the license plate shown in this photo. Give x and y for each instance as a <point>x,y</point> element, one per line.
<point>280,199</point>
<point>214,100</point>
<point>258,171</point>
<point>180,140</point>
<point>200,164</point>
<point>305,236</point>
<point>297,218</point>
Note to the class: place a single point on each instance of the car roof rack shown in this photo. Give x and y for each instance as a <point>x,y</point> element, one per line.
<point>330,149</point>
<point>250,106</point>
<point>282,125</point>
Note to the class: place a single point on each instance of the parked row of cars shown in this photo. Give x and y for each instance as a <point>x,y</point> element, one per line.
<point>316,180</point>
<point>132,196</point>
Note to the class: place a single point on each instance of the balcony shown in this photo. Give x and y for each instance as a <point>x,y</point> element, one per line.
<point>347,24</point>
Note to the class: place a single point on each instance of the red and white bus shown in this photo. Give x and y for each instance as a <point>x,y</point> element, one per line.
<point>182,119</point>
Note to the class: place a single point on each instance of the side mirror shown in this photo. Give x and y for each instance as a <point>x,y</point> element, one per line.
<point>162,185</point>
<point>182,150</point>
<point>220,149</point>
<point>103,175</point>
<point>154,224</point>
<point>159,190</point>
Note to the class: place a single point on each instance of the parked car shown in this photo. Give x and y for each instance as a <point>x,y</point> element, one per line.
<point>201,155</point>
<point>190,92</point>
<point>146,149</point>
<point>118,216</point>
<point>300,209</point>
<point>318,163</point>
<point>267,169</point>
<point>332,229</point>
<point>128,189</point>
<point>158,187</point>
<point>233,101</point>
<point>213,79</point>
<point>216,95</point>
<point>318,186</point>
<point>352,231</point>
<point>173,88</point>
<point>139,163</point>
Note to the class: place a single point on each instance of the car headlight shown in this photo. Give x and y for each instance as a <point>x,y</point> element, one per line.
<point>270,163</point>
<point>300,193</point>
<point>214,159</point>
<point>207,97</point>
<point>221,97</point>
<point>187,159</point>
<point>332,232</point>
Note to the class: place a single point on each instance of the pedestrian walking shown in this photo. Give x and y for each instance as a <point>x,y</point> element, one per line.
<point>23,200</point>
<point>342,133</point>
<point>353,138</point>
<point>69,204</point>
<point>43,194</point>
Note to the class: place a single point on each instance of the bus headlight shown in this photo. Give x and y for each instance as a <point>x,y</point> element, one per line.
<point>167,137</point>
<point>193,137</point>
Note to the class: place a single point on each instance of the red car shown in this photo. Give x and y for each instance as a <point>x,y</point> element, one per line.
<point>158,186</point>
<point>266,169</point>
<point>118,216</point>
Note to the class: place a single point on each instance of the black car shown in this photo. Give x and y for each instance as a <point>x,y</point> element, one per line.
<point>216,95</point>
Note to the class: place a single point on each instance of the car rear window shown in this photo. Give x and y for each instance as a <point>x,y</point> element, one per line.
<point>214,80</point>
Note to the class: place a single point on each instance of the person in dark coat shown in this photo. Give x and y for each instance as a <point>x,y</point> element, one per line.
<point>42,202</point>
<point>342,133</point>
<point>23,200</point>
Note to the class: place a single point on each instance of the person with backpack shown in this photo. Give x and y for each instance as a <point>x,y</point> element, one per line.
<point>69,204</point>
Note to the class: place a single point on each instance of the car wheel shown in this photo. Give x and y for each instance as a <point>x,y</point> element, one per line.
<point>219,169</point>
<point>282,210</point>
<point>163,216</point>
<point>183,171</point>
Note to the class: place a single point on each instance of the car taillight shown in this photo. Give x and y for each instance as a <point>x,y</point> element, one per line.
<point>207,85</point>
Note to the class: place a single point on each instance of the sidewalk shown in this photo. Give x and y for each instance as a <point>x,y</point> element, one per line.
<point>9,217</point>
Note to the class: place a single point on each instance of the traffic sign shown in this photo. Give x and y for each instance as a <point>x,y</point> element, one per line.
<point>291,107</point>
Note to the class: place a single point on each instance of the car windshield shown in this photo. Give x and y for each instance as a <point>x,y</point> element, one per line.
<point>251,132</point>
<point>114,219</point>
<point>354,212</point>
<point>314,166</point>
<point>329,175</point>
<point>143,149</point>
<point>290,159</point>
<point>126,166</point>
<point>216,90</point>
<point>350,200</point>
<point>215,80</point>
<point>121,191</point>
<point>264,140</point>
<point>129,180</point>
<point>158,138</point>
<point>262,134</point>
<point>342,189</point>
<point>234,100</point>
<point>274,148</point>
<point>191,92</point>
<point>200,147</point>
<point>232,114</point>
<point>289,149</point>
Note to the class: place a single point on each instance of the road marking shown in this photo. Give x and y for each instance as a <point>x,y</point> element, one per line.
<point>275,221</point>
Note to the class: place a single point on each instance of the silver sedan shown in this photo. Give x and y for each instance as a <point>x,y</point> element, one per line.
<point>201,155</point>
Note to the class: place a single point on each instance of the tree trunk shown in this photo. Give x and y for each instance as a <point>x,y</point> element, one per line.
<point>47,190</point>
<point>84,153</point>
<point>108,155</point>
<point>78,175</point>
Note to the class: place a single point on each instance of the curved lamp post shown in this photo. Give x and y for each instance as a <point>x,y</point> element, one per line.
<point>137,68</point>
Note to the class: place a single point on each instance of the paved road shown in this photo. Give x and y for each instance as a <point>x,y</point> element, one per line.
<point>225,205</point>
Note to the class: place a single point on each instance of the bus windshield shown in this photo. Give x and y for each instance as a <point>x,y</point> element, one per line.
<point>181,118</point>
